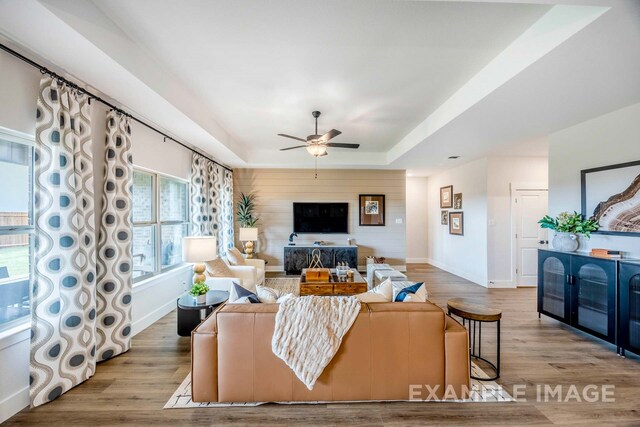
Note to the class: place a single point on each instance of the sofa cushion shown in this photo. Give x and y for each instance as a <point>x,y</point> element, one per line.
<point>272,296</point>
<point>414,293</point>
<point>381,293</point>
<point>218,268</point>
<point>234,256</point>
<point>241,295</point>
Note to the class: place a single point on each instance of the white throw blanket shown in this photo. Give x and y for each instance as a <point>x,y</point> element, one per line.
<point>309,331</point>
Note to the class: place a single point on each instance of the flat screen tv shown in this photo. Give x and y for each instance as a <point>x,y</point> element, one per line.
<point>322,218</point>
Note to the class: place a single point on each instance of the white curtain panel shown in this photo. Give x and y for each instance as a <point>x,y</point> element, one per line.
<point>115,245</point>
<point>212,202</point>
<point>64,275</point>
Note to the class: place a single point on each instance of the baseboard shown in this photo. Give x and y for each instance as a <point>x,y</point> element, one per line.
<point>274,268</point>
<point>464,274</point>
<point>14,404</point>
<point>417,260</point>
<point>152,317</point>
<point>505,284</point>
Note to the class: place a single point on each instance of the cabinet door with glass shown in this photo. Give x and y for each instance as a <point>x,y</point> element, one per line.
<point>553,290</point>
<point>630,306</point>
<point>593,296</point>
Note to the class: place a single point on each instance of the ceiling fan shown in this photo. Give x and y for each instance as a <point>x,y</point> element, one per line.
<point>317,145</point>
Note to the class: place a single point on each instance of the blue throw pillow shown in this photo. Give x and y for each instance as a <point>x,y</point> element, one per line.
<point>242,292</point>
<point>408,290</point>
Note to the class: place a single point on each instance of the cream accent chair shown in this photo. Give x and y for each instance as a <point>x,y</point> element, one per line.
<point>247,276</point>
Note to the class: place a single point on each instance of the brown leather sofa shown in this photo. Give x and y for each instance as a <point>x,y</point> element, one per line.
<point>393,351</point>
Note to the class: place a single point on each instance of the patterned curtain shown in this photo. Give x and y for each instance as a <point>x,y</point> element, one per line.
<point>212,202</point>
<point>114,245</point>
<point>63,282</point>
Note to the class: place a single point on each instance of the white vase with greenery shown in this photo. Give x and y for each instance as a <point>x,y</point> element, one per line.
<point>568,227</point>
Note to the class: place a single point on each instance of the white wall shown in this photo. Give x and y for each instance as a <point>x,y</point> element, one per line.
<point>151,299</point>
<point>502,173</point>
<point>464,256</point>
<point>606,140</point>
<point>417,220</point>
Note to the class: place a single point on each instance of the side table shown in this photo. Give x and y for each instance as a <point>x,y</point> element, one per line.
<point>190,313</point>
<point>476,314</point>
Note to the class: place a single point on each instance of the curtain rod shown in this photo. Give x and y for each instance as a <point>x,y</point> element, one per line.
<point>45,70</point>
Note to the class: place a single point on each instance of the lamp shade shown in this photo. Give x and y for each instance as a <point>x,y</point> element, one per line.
<point>199,248</point>
<point>248,235</point>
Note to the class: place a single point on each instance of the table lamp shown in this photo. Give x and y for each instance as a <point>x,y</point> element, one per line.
<point>248,235</point>
<point>199,249</point>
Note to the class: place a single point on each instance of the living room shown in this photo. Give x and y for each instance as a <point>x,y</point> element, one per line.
<point>186,186</point>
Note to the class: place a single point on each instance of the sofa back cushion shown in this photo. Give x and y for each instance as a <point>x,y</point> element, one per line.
<point>218,268</point>
<point>234,256</point>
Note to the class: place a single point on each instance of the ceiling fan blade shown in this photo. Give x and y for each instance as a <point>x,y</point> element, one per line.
<point>329,135</point>
<point>292,137</point>
<point>342,145</point>
<point>291,148</point>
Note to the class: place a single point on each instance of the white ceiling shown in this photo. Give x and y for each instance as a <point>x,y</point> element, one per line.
<point>411,81</point>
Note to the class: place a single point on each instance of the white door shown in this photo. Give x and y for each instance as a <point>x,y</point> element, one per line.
<point>530,207</point>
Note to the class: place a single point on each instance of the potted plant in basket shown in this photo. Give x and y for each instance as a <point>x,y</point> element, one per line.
<point>568,226</point>
<point>199,292</point>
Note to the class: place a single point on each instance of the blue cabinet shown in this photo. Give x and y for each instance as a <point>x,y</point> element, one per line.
<point>298,257</point>
<point>630,306</point>
<point>579,290</point>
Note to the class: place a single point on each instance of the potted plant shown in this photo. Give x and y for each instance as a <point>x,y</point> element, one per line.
<point>199,292</point>
<point>568,226</point>
<point>246,211</point>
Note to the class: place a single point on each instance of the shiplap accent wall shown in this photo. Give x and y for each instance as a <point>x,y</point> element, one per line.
<point>277,189</point>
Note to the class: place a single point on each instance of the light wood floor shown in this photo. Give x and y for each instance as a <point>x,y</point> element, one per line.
<point>132,388</point>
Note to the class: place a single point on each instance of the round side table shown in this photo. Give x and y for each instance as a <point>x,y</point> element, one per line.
<point>475,315</point>
<point>190,313</point>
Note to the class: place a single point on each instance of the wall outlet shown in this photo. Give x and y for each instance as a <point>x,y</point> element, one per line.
<point>398,220</point>
<point>492,222</point>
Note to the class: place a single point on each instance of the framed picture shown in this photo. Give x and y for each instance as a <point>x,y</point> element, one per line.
<point>372,210</point>
<point>456,223</point>
<point>446,197</point>
<point>611,195</point>
<point>444,217</point>
<point>457,201</point>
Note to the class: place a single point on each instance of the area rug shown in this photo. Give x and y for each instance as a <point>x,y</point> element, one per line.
<point>285,284</point>
<point>481,391</point>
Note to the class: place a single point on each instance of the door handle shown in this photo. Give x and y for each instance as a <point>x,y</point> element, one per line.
<point>543,242</point>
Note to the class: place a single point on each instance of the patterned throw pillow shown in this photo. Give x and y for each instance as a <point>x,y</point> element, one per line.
<point>414,293</point>
<point>381,293</point>
<point>218,268</point>
<point>235,257</point>
<point>239,295</point>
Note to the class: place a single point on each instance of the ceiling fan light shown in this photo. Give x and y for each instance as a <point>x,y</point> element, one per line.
<point>317,150</point>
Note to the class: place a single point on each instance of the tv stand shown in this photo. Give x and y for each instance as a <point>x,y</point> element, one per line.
<point>299,256</point>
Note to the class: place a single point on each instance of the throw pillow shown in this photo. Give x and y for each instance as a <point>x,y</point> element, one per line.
<point>271,296</point>
<point>238,294</point>
<point>381,293</point>
<point>234,257</point>
<point>218,268</point>
<point>414,293</point>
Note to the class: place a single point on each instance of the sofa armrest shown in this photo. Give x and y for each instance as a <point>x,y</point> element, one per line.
<point>254,262</point>
<point>456,349</point>
<point>204,360</point>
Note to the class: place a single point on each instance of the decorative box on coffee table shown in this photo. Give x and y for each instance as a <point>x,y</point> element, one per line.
<point>334,285</point>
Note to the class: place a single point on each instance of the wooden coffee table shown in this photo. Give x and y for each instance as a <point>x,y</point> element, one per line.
<point>336,285</point>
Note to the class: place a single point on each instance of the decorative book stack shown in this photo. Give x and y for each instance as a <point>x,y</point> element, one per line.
<point>606,253</point>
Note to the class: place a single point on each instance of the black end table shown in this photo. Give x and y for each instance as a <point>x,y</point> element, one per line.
<point>190,313</point>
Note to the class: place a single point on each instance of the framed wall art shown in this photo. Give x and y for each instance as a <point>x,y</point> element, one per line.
<point>456,223</point>
<point>372,210</point>
<point>457,201</point>
<point>611,195</point>
<point>444,217</point>
<point>446,197</point>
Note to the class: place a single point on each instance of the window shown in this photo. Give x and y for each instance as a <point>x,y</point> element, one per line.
<point>160,221</point>
<point>16,228</point>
